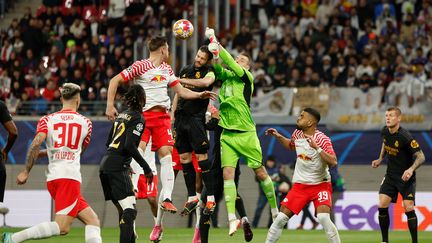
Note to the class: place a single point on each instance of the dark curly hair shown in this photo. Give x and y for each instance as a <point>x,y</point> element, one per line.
<point>135,97</point>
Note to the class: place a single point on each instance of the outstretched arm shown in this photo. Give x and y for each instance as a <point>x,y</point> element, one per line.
<point>189,94</point>
<point>230,62</point>
<point>286,142</point>
<point>200,82</point>
<point>32,155</point>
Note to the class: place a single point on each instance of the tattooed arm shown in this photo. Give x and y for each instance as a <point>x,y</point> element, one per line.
<point>32,155</point>
<point>419,160</point>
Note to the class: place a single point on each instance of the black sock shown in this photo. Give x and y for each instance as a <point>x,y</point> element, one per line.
<point>412,225</point>
<point>2,181</point>
<point>204,226</point>
<point>240,206</point>
<point>126,225</point>
<point>189,177</point>
<point>207,175</point>
<point>384,222</point>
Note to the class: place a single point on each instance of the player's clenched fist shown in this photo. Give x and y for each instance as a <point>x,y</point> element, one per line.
<point>210,33</point>
<point>22,178</point>
<point>214,49</point>
<point>376,163</point>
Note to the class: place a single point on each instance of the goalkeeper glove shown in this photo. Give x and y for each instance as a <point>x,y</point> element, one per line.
<point>214,49</point>
<point>209,33</point>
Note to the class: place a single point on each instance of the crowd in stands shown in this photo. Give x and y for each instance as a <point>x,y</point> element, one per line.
<point>298,43</point>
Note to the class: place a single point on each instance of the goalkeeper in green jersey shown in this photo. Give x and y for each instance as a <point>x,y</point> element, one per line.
<point>239,138</point>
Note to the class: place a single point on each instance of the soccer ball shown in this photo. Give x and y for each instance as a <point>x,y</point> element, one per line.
<point>183,29</point>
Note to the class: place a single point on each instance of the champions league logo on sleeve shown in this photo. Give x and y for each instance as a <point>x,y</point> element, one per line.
<point>139,127</point>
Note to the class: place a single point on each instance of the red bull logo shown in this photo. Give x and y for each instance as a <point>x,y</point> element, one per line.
<point>158,78</point>
<point>304,157</point>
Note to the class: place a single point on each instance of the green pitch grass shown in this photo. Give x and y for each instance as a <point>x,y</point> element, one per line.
<point>180,235</point>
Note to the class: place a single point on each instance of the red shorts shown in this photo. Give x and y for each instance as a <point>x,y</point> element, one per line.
<point>158,126</point>
<point>178,166</point>
<point>67,196</point>
<point>145,190</point>
<point>302,194</point>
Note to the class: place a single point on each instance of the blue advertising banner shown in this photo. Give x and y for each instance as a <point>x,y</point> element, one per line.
<point>351,147</point>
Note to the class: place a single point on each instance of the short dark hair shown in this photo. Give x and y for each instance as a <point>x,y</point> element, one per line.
<point>316,115</point>
<point>394,108</point>
<point>205,49</point>
<point>156,43</point>
<point>133,97</point>
<point>69,90</point>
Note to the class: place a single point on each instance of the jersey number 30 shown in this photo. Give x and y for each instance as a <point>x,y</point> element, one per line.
<point>117,132</point>
<point>69,135</point>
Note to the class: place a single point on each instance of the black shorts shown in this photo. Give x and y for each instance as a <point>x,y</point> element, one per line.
<point>392,186</point>
<point>191,135</point>
<point>116,185</point>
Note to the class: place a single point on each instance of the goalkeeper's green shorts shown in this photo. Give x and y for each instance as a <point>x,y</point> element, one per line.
<point>236,144</point>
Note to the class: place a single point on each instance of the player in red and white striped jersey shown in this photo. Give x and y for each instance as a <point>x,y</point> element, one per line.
<point>67,134</point>
<point>155,76</point>
<point>312,182</point>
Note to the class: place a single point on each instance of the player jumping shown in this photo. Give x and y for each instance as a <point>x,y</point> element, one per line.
<point>155,75</point>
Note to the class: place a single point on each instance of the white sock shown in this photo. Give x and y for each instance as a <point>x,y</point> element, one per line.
<point>198,216</point>
<point>329,227</point>
<point>160,213</point>
<point>274,212</point>
<point>167,176</point>
<point>155,219</point>
<point>231,216</point>
<point>92,234</point>
<point>245,219</point>
<point>190,199</point>
<point>39,231</point>
<point>276,228</point>
<point>210,198</point>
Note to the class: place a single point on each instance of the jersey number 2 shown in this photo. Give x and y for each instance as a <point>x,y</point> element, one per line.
<point>118,131</point>
<point>66,135</point>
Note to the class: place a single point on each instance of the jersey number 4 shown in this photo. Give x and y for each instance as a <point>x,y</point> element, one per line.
<point>69,135</point>
<point>118,131</point>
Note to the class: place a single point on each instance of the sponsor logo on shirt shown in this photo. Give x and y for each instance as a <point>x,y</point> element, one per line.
<point>158,78</point>
<point>304,157</point>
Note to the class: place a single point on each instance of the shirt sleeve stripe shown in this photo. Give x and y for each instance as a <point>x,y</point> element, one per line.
<point>174,83</point>
<point>42,125</point>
